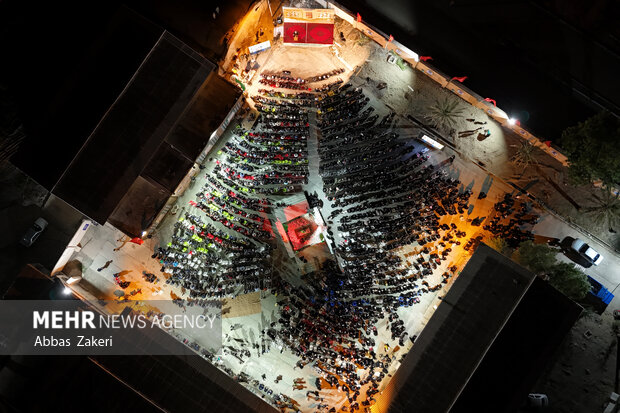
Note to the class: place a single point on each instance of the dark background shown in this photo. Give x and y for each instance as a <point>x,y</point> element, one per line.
<point>550,64</point>
<point>65,63</point>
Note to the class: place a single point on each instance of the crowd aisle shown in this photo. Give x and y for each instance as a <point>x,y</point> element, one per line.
<point>330,342</point>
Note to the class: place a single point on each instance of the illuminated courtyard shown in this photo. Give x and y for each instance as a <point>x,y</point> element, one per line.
<point>229,237</point>
<point>309,206</point>
<point>327,228</point>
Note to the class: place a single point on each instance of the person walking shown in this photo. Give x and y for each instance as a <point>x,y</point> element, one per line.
<point>122,245</point>
<point>106,265</point>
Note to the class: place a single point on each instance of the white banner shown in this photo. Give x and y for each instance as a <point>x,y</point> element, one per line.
<point>259,47</point>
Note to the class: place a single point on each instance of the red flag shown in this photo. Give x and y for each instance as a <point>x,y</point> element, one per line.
<point>391,38</point>
<point>359,18</point>
<point>460,79</point>
<point>548,143</point>
<point>137,240</point>
<point>491,100</point>
<point>425,58</point>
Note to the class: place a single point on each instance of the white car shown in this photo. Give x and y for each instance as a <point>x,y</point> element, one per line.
<point>589,255</point>
<point>537,400</point>
<point>33,232</point>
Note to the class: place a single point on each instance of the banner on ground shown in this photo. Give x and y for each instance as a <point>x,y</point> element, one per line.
<point>259,47</point>
<point>308,26</point>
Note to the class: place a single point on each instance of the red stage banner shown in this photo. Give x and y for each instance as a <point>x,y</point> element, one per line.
<point>308,26</point>
<point>309,33</point>
<point>295,32</point>
<point>320,33</point>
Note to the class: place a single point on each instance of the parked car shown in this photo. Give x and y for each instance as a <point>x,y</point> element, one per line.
<point>588,253</point>
<point>537,400</point>
<point>33,232</point>
<point>580,252</point>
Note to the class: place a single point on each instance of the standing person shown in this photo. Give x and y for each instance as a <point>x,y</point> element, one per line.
<point>124,241</point>
<point>106,265</point>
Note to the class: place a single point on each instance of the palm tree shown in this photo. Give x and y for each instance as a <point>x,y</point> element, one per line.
<point>525,156</point>
<point>444,113</point>
<point>606,212</point>
<point>362,39</point>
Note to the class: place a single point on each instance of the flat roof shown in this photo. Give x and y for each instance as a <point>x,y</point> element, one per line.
<point>458,335</point>
<point>521,352</point>
<point>133,128</point>
<point>71,62</point>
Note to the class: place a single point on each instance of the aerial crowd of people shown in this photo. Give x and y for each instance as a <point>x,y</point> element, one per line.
<point>387,204</point>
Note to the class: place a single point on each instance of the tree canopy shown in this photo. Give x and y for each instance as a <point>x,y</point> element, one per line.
<point>569,280</point>
<point>443,114</point>
<point>592,148</point>
<point>500,245</point>
<point>538,258</point>
<point>525,156</point>
<point>606,211</point>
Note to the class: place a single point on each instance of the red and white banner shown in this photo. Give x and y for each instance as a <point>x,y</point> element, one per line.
<point>308,26</point>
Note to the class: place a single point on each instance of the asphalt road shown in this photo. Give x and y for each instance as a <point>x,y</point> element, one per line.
<point>607,273</point>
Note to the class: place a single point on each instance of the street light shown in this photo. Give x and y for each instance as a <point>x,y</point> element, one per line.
<point>512,121</point>
<point>432,142</point>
